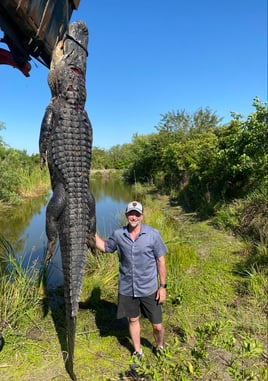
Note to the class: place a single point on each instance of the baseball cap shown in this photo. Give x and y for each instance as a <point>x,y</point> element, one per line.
<point>134,205</point>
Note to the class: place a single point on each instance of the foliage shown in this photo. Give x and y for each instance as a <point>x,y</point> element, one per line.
<point>192,157</point>
<point>254,217</point>
<point>19,292</point>
<point>145,159</point>
<point>179,362</point>
<point>2,127</point>
<point>247,217</point>
<point>199,162</point>
<point>19,175</point>
<point>216,163</point>
<point>117,157</point>
<point>99,158</point>
<point>195,159</point>
<point>243,147</point>
<point>9,180</point>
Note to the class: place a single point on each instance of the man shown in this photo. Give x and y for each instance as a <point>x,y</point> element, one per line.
<point>142,274</point>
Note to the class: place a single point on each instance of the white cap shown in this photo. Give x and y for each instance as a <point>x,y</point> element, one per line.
<point>134,205</point>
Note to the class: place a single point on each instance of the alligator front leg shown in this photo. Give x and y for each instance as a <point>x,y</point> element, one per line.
<point>46,127</point>
<point>55,207</point>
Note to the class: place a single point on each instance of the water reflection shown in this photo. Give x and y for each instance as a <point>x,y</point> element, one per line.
<point>24,226</point>
<point>111,197</point>
<point>21,224</point>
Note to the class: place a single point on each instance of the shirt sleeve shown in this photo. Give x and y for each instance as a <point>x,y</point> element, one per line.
<point>159,246</point>
<point>111,244</point>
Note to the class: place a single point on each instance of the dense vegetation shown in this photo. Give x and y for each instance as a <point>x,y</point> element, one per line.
<point>192,158</point>
<point>20,174</point>
<point>195,159</point>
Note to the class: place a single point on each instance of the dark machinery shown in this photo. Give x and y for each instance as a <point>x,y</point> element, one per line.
<point>31,29</point>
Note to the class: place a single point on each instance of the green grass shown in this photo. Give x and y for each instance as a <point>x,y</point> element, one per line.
<point>215,315</point>
<point>20,294</point>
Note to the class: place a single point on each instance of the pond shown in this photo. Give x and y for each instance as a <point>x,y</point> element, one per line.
<point>24,226</point>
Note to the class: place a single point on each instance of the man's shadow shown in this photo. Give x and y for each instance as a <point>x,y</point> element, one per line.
<point>106,320</point>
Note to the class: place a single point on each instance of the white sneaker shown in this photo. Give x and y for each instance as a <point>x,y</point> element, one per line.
<point>139,355</point>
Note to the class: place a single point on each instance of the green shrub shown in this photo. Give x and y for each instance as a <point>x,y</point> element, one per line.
<point>247,217</point>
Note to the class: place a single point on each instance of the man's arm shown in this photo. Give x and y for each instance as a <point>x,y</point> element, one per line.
<point>100,243</point>
<point>162,273</point>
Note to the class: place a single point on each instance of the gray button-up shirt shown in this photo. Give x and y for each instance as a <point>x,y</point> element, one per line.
<point>137,259</point>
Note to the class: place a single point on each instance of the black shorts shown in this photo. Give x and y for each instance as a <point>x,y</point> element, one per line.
<point>131,307</point>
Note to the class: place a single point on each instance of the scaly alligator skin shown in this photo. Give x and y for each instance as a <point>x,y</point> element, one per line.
<point>65,143</point>
<point>2,341</point>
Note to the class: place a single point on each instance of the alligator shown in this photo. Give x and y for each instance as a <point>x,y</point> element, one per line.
<point>2,341</point>
<point>65,144</point>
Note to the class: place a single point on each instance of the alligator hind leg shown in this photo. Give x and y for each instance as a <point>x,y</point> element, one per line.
<point>54,209</point>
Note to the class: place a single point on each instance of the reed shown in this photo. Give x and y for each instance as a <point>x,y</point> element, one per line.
<point>19,291</point>
<point>33,181</point>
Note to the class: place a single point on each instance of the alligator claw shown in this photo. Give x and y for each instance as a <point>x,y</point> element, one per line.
<point>50,251</point>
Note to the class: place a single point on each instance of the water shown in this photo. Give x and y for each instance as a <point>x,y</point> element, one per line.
<point>24,226</point>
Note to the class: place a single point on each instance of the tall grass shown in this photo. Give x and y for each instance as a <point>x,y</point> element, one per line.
<point>33,181</point>
<point>181,254</point>
<point>247,217</point>
<point>20,176</point>
<point>19,291</point>
<point>257,282</point>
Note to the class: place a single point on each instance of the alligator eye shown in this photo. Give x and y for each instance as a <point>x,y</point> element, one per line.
<point>61,45</point>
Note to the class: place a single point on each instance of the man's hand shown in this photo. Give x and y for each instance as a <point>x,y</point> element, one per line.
<point>162,271</point>
<point>161,295</point>
<point>100,243</point>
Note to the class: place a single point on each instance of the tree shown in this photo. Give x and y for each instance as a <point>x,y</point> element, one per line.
<point>145,154</point>
<point>2,127</point>
<point>98,159</point>
<point>188,143</point>
<point>119,157</point>
<point>243,147</point>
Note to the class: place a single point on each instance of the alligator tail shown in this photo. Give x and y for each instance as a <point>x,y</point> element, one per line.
<point>69,360</point>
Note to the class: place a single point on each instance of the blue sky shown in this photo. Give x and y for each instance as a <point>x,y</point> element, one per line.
<point>146,58</point>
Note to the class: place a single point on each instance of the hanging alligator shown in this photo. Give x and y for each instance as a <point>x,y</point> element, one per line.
<point>40,29</point>
<point>65,144</point>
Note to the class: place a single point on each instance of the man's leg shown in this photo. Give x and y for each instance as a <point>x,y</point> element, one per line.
<point>153,311</point>
<point>135,333</point>
<point>158,332</point>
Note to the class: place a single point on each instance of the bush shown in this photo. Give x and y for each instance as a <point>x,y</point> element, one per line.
<point>247,217</point>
